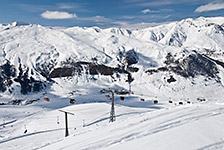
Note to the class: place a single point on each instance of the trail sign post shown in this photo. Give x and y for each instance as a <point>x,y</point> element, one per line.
<point>66,121</point>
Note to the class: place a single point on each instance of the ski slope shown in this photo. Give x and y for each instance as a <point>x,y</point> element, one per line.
<point>145,125</point>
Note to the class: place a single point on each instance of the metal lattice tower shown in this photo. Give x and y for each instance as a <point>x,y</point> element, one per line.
<point>112,112</point>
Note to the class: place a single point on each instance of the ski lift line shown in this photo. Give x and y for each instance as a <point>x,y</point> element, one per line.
<point>69,91</point>
<point>144,95</point>
<point>61,86</point>
<point>60,92</point>
<point>151,96</point>
<point>141,83</point>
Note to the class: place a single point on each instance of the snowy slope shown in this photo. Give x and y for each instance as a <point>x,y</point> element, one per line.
<point>178,61</point>
<point>191,126</point>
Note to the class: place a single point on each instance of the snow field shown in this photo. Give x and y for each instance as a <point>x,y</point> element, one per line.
<point>150,126</point>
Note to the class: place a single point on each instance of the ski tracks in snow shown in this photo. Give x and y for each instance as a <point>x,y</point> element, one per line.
<point>154,122</point>
<point>214,146</point>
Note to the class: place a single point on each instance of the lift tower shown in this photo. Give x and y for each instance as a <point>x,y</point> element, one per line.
<point>112,111</point>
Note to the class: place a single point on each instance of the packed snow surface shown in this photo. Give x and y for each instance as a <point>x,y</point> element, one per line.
<point>144,125</point>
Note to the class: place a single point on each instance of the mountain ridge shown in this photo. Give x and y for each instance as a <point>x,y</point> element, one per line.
<point>185,50</point>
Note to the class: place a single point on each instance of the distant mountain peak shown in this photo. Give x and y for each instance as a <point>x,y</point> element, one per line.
<point>20,23</point>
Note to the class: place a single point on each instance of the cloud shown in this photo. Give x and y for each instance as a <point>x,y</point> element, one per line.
<point>162,2</point>
<point>127,17</point>
<point>155,3</point>
<point>141,25</point>
<point>100,19</point>
<point>57,15</point>
<point>145,17</point>
<point>58,6</point>
<point>69,6</point>
<point>145,11</point>
<point>66,6</point>
<point>210,7</point>
<point>94,18</point>
<point>131,1</point>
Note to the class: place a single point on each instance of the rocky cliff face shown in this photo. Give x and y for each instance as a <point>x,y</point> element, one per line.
<point>193,65</point>
<point>7,73</point>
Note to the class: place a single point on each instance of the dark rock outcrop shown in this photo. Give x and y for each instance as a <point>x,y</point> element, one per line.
<point>7,72</point>
<point>171,79</point>
<point>193,65</point>
<point>216,61</point>
<point>151,71</point>
<point>78,68</point>
<point>131,57</point>
<point>28,84</point>
<point>190,66</point>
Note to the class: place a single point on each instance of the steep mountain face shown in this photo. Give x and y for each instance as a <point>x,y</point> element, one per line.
<point>171,58</point>
<point>6,73</point>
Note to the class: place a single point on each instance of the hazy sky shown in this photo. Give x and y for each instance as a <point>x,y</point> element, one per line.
<point>105,13</point>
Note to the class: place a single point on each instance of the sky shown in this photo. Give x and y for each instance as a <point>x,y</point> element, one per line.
<point>106,13</point>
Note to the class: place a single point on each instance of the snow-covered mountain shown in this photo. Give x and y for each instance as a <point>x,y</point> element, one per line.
<point>178,64</point>
<point>175,57</point>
